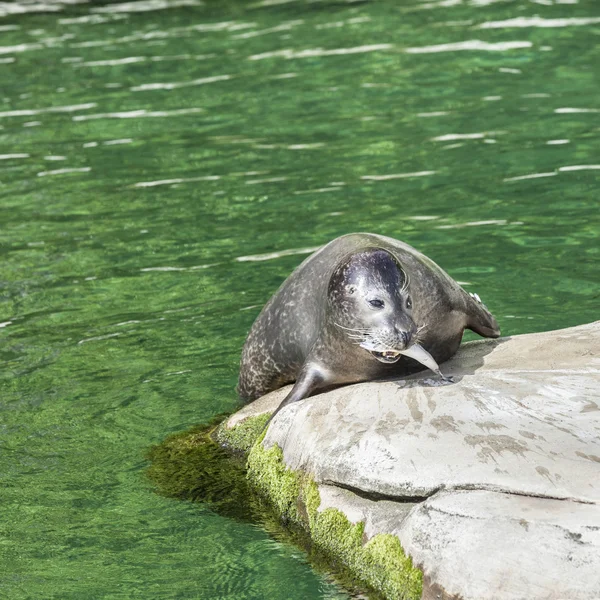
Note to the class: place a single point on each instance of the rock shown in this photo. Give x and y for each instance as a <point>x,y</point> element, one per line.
<point>491,483</point>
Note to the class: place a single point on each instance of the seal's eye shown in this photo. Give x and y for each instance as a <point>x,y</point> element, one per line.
<point>408,302</point>
<point>376,303</point>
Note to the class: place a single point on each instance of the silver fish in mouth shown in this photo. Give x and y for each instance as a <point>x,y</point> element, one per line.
<point>416,352</point>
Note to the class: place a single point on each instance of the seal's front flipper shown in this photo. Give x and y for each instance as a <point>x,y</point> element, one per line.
<point>309,380</point>
<point>480,319</point>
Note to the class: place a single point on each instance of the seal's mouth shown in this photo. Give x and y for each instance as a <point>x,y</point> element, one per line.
<point>414,351</point>
<point>387,356</point>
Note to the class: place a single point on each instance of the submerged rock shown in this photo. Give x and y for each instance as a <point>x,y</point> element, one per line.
<point>490,485</point>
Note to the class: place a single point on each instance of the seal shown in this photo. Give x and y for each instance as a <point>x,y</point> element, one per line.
<point>362,307</point>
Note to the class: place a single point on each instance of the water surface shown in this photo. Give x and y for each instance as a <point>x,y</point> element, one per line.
<point>162,170</point>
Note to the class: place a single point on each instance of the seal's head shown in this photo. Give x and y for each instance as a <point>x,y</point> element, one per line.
<point>369,300</point>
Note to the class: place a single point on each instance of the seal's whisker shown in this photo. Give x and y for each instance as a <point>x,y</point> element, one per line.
<point>361,330</point>
<point>352,328</point>
<point>418,334</point>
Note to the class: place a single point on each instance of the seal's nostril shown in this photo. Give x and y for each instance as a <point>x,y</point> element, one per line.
<point>406,337</point>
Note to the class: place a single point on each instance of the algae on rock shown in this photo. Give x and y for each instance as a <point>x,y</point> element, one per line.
<point>380,562</point>
<point>193,466</point>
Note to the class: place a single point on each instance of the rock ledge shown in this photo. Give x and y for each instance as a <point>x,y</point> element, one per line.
<point>491,484</point>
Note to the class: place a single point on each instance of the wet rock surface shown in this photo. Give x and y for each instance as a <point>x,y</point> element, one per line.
<point>491,483</point>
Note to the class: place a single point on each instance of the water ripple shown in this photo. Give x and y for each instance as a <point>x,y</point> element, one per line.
<point>179,84</point>
<point>477,224</point>
<point>469,45</point>
<point>63,171</point>
<point>147,184</point>
<point>579,168</point>
<point>448,137</point>
<point>145,6</point>
<point>99,338</point>
<point>568,110</point>
<point>11,156</point>
<point>140,113</point>
<point>268,180</point>
<point>110,63</point>
<point>335,24</point>
<point>318,190</point>
<point>177,269</point>
<point>539,22</point>
<point>19,8</point>
<point>531,176</point>
<point>565,169</point>
<point>282,27</point>
<point>438,113</point>
<point>272,255</point>
<point>28,112</point>
<point>19,48</point>
<point>91,19</point>
<point>397,176</point>
<point>316,52</point>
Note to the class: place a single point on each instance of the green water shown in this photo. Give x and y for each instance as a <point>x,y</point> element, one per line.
<point>155,168</point>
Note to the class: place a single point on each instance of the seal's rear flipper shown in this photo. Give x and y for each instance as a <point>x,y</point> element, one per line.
<point>480,319</point>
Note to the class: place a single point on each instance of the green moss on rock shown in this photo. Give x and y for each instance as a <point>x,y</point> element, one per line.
<point>192,466</point>
<point>268,473</point>
<point>381,562</point>
<point>243,436</point>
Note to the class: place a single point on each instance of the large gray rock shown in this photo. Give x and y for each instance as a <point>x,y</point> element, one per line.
<point>491,483</point>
